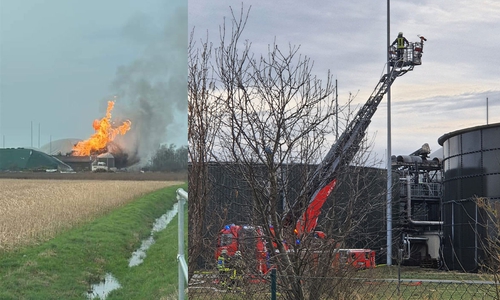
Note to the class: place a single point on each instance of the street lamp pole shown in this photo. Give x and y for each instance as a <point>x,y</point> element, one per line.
<point>389,166</point>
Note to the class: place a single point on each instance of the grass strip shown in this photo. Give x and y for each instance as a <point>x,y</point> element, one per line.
<point>66,266</point>
<point>412,272</point>
<point>157,276</point>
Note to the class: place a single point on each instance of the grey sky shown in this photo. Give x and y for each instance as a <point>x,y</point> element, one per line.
<point>60,61</point>
<point>448,92</point>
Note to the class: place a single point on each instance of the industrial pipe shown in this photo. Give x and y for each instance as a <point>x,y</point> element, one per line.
<point>407,242</point>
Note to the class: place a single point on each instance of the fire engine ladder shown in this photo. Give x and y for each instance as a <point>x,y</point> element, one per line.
<point>340,154</point>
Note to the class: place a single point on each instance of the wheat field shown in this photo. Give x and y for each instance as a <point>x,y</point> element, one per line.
<point>36,210</point>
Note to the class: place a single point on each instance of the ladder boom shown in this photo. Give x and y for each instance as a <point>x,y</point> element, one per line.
<point>323,179</point>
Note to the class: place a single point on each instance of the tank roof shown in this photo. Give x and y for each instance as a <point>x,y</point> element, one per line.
<point>446,136</point>
<point>61,146</point>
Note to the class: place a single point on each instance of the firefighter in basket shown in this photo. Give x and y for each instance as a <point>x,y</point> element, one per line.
<point>401,44</point>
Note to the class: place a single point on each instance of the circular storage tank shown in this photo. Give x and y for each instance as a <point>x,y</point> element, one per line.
<point>471,169</point>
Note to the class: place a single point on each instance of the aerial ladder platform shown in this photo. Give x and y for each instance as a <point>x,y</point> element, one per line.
<point>323,180</point>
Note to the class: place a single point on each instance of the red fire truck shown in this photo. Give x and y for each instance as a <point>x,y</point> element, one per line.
<point>249,240</point>
<point>356,258</point>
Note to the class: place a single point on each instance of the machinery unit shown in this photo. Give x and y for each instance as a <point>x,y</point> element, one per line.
<point>420,207</point>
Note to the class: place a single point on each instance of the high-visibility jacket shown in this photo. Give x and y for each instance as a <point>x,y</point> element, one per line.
<point>221,266</point>
<point>220,262</point>
<point>401,42</point>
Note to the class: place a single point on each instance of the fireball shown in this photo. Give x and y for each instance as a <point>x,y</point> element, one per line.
<point>105,132</point>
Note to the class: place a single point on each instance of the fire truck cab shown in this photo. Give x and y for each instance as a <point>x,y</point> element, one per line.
<point>356,258</point>
<point>249,240</point>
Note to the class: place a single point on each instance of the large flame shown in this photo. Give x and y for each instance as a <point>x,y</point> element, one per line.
<point>105,132</point>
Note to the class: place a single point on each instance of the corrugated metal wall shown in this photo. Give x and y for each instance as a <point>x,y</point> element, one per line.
<point>231,201</point>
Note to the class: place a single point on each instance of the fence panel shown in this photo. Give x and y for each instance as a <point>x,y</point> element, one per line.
<point>215,286</point>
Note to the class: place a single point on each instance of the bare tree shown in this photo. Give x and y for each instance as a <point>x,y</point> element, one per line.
<point>272,118</point>
<point>277,113</point>
<point>202,130</point>
<point>490,241</point>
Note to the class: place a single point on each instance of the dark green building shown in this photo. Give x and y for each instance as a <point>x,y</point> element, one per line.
<point>22,159</point>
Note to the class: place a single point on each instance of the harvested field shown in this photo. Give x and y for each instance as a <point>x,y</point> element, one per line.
<point>137,176</point>
<point>36,210</point>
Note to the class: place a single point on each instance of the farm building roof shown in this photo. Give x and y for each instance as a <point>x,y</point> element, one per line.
<point>21,159</point>
<point>105,155</point>
<point>59,147</point>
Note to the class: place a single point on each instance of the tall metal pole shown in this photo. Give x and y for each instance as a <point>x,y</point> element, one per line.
<point>389,166</point>
<point>31,134</point>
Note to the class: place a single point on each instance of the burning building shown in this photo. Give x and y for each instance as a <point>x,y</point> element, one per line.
<point>102,141</point>
<point>105,132</point>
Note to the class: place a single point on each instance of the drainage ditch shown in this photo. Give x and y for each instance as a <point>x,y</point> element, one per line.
<point>110,283</point>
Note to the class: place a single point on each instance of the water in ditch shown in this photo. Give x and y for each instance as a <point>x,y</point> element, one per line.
<point>103,288</point>
<point>161,223</point>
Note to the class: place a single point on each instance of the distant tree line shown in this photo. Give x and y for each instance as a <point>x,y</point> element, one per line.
<point>169,159</point>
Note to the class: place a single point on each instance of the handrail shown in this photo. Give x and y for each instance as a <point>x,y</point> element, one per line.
<point>182,197</point>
